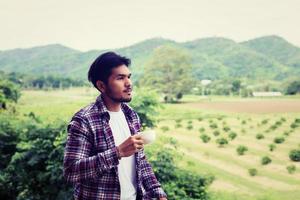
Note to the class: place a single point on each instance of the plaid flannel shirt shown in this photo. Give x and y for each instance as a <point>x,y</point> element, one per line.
<point>91,161</point>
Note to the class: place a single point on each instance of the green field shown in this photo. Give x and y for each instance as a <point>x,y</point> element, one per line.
<point>245,117</point>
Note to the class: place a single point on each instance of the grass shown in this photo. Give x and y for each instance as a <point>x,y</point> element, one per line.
<point>272,182</point>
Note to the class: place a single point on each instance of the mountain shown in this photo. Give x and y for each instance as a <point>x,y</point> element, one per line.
<point>269,57</point>
<point>276,48</point>
<point>220,57</point>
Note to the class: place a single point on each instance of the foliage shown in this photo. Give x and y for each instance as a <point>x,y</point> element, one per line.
<point>265,160</point>
<point>241,149</point>
<point>205,138</point>
<point>34,170</point>
<point>295,155</point>
<point>252,171</point>
<point>146,104</point>
<point>221,141</point>
<point>259,136</point>
<point>9,92</point>
<point>293,88</point>
<point>291,169</point>
<point>178,183</point>
<point>279,140</point>
<point>169,72</point>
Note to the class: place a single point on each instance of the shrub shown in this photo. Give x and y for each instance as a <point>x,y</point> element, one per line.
<point>178,121</point>
<point>272,147</point>
<point>241,149</point>
<point>244,122</point>
<point>216,133</point>
<point>200,119</point>
<point>232,135</point>
<point>282,119</point>
<point>265,121</point>
<point>273,127</point>
<point>291,169</point>
<point>190,122</point>
<point>205,138</point>
<point>286,133</point>
<point>297,120</point>
<point>164,128</point>
<point>294,125</point>
<point>189,127</point>
<point>201,130</point>
<point>265,160</point>
<point>222,141</point>
<point>278,123</point>
<point>213,126</point>
<point>178,125</point>
<point>295,155</point>
<point>279,140</point>
<point>259,136</point>
<point>252,172</point>
<point>226,129</point>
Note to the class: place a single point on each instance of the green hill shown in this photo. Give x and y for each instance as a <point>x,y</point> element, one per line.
<point>269,57</point>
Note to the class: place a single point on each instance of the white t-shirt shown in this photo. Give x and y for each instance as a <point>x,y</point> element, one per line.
<point>126,167</point>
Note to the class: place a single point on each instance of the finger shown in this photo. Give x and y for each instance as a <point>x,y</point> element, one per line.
<point>137,137</point>
<point>139,142</point>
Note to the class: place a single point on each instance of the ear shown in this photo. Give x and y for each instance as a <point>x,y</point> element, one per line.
<point>101,86</point>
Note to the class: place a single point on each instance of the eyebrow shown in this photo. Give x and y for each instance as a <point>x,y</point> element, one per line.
<point>123,75</point>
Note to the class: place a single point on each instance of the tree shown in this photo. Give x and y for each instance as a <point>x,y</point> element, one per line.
<point>169,72</point>
<point>293,88</point>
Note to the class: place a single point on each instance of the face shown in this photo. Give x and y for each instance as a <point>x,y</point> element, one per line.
<point>119,86</point>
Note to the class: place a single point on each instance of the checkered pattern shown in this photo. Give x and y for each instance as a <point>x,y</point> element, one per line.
<point>90,159</point>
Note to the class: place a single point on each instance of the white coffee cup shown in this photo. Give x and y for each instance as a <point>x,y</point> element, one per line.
<point>148,136</point>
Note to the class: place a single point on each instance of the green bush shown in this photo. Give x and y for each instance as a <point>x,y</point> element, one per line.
<point>226,128</point>
<point>265,121</point>
<point>291,169</point>
<point>178,121</point>
<point>177,183</point>
<point>266,160</point>
<point>294,125</point>
<point>189,127</point>
<point>286,133</point>
<point>200,119</point>
<point>259,136</point>
<point>205,138</point>
<point>241,149</point>
<point>216,133</point>
<point>213,125</point>
<point>272,147</point>
<point>252,171</point>
<point>201,130</point>
<point>178,125</point>
<point>232,135</point>
<point>295,155</point>
<point>221,141</point>
<point>165,128</point>
<point>279,140</point>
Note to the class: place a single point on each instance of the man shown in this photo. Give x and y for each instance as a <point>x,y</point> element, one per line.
<point>104,157</point>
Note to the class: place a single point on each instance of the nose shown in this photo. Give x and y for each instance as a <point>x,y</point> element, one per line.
<point>128,82</point>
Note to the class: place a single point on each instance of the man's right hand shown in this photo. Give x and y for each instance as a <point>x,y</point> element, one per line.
<point>130,146</point>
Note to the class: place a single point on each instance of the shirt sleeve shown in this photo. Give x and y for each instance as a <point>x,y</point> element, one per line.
<point>79,165</point>
<point>152,186</point>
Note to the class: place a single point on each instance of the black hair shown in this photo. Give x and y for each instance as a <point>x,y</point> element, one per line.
<point>103,65</point>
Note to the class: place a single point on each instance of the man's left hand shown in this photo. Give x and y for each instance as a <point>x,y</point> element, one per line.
<point>163,198</point>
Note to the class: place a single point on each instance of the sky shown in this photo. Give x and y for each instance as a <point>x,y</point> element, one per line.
<point>107,24</point>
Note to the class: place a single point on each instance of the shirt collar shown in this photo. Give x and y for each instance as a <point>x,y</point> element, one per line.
<point>103,111</point>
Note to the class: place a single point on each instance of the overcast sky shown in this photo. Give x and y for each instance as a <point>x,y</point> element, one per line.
<point>103,24</point>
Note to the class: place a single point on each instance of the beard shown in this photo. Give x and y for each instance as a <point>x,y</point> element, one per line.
<point>117,99</point>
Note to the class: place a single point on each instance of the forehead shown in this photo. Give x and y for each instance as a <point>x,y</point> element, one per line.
<point>120,70</point>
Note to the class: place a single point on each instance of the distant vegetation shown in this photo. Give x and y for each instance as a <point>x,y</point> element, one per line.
<point>263,64</point>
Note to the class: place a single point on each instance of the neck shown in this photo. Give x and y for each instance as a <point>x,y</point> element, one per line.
<point>110,104</point>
